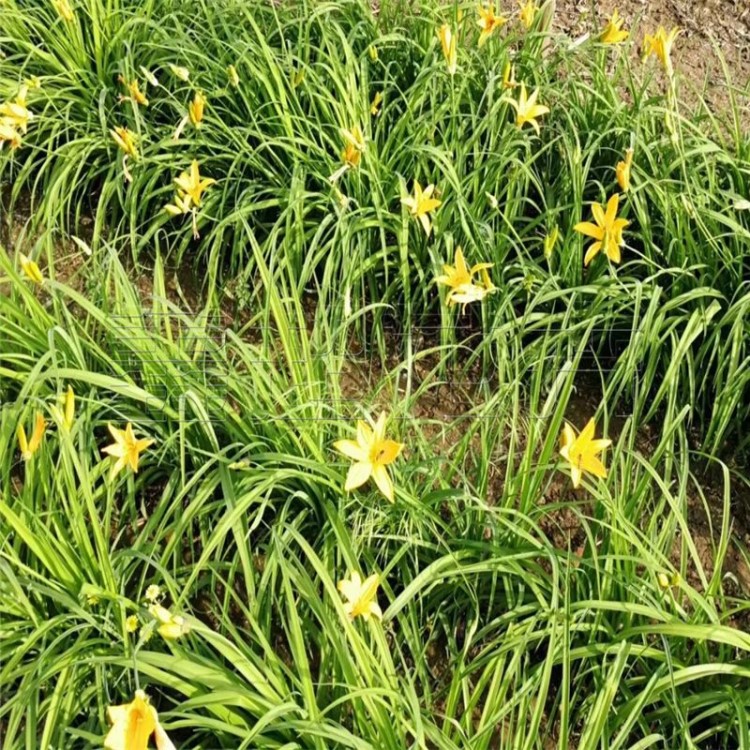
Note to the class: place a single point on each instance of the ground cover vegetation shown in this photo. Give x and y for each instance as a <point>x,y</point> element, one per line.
<point>371,377</point>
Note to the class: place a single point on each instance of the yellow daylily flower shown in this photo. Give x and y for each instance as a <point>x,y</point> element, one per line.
<point>126,140</point>
<point>65,416</point>
<point>421,204</point>
<point>132,624</point>
<point>660,44</point>
<point>30,269</point>
<point>550,241</point>
<point>63,10</point>
<point>613,32</point>
<point>126,449</point>
<point>134,89</point>
<point>355,145</point>
<point>133,724</point>
<point>30,447</point>
<point>35,82</point>
<point>488,22</point>
<point>375,104</point>
<point>581,451</point>
<point>180,72</point>
<point>528,12</point>
<point>607,231</point>
<point>622,170</point>
<point>372,452</point>
<point>171,627</point>
<point>196,108</point>
<point>460,278</point>
<point>372,51</point>
<point>361,597</point>
<point>527,110</point>
<point>448,43</point>
<point>509,76</point>
<point>234,77</point>
<point>9,134</point>
<point>191,184</point>
<point>16,113</point>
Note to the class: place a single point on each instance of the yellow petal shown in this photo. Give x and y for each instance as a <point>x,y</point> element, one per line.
<point>589,229</point>
<point>23,443</point>
<point>613,252</point>
<point>162,741</point>
<point>591,253</point>
<point>349,589</point>
<point>358,474</point>
<point>378,434</point>
<point>364,434</point>
<point>383,481</point>
<point>587,433</point>
<point>594,466</point>
<point>118,451</point>
<point>388,451</point>
<point>350,449</point>
<point>38,434</point>
<point>612,206</point>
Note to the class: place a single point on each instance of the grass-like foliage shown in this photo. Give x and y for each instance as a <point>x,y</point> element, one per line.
<point>178,512</point>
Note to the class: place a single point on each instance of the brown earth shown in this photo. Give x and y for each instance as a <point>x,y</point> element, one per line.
<point>709,28</point>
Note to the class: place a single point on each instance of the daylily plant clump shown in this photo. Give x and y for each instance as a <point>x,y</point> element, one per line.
<point>369,484</point>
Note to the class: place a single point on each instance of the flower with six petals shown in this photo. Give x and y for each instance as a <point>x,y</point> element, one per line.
<point>607,231</point>
<point>371,453</point>
<point>126,449</point>
<point>613,32</point>
<point>660,45</point>
<point>527,110</point>
<point>421,204</point>
<point>581,452</point>
<point>488,22</point>
<point>460,278</point>
<point>361,596</point>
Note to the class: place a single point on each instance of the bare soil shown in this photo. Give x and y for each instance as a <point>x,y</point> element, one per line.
<point>709,28</point>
